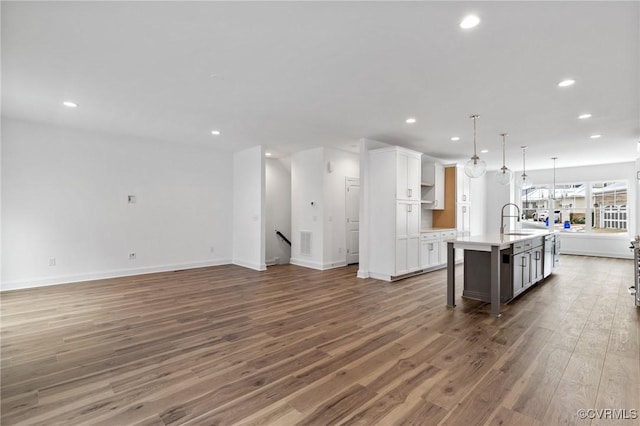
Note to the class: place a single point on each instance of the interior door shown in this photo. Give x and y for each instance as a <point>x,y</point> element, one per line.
<point>353,219</point>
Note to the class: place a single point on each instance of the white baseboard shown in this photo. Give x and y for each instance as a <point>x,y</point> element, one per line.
<point>597,254</point>
<point>381,277</point>
<point>306,263</point>
<point>93,276</point>
<point>334,264</point>
<point>362,274</point>
<point>317,265</point>
<point>250,265</point>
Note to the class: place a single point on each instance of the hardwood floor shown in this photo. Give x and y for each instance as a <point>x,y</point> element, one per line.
<point>293,346</point>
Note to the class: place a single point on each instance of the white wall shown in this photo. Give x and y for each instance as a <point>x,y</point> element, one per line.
<point>64,196</point>
<point>478,188</point>
<point>496,196</point>
<point>249,208</point>
<point>343,165</point>
<point>311,181</point>
<point>366,145</point>
<point>278,209</point>
<point>307,169</point>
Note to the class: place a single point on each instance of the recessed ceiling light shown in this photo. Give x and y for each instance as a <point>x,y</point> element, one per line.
<point>268,154</point>
<point>584,116</point>
<point>410,120</point>
<point>70,104</point>
<point>455,138</point>
<point>595,136</point>
<point>215,132</point>
<point>484,151</point>
<point>469,21</point>
<point>566,83</point>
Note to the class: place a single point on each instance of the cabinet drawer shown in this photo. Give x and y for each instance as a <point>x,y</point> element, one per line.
<point>429,236</point>
<point>448,234</point>
<point>519,247</point>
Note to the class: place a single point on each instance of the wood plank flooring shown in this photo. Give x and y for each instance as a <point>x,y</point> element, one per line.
<point>294,346</point>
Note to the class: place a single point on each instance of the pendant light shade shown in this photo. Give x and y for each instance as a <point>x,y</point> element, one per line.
<point>525,181</point>
<point>475,167</point>
<point>504,175</point>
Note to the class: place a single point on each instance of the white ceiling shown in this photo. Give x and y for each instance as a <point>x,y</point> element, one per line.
<point>292,76</point>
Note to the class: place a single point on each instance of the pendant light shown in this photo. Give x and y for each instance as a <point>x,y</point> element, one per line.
<point>475,167</point>
<point>525,182</point>
<point>553,193</point>
<point>504,175</point>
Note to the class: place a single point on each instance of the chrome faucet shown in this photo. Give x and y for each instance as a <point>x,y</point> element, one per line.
<point>502,216</point>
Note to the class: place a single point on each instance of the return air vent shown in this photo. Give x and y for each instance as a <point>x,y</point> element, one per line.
<point>305,242</point>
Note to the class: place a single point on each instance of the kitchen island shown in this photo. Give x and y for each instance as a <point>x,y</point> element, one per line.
<point>489,253</point>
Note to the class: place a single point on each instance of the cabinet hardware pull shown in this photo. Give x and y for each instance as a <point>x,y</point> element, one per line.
<point>409,206</point>
<point>409,192</point>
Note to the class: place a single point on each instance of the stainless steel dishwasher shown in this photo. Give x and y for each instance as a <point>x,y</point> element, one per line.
<point>549,254</point>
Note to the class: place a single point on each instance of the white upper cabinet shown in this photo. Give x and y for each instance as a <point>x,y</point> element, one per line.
<point>408,166</point>
<point>463,186</point>
<point>432,191</point>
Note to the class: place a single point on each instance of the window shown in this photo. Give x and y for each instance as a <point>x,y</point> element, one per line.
<point>609,201</point>
<point>583,207</point>
<point>571,203</point>
<point>535,203</point>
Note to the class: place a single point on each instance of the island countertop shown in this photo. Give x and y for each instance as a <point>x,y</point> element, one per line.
<point>484,242</point>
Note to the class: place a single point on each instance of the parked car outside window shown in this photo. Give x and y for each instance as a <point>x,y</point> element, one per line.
<point>543,214</point>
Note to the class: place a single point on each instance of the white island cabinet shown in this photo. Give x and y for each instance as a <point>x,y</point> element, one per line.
<point>394,232</point>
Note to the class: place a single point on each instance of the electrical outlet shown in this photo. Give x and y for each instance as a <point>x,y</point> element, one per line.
<point>212,249</point>
<point>52,261</point>
<point>339,249</point>
<point>132,256</point>
<point>131,199</point>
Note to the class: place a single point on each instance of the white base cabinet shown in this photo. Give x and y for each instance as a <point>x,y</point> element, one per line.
<point>434,248</point>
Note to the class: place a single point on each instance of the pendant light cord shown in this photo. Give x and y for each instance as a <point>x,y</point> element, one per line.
<point>474,117</point>
<point>504,163</point>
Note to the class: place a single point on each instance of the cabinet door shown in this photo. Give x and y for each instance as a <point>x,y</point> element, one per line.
<point>401,256</point>
<point>401,219</point>
<point>413,219</point>
<point>435,254</point>
<point>443,252</point>
<point>407,219</point>
<point>413,253</point>
<point>463,186</point>
<point>536,264</point>
<point>430,253</point>
<point>463,219</point>
<point>402,185</point>
<point>426,247</point>
<point>408,169</point>
<point>521,272</point>
<point>414,174</point>
<point>438,187</point>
